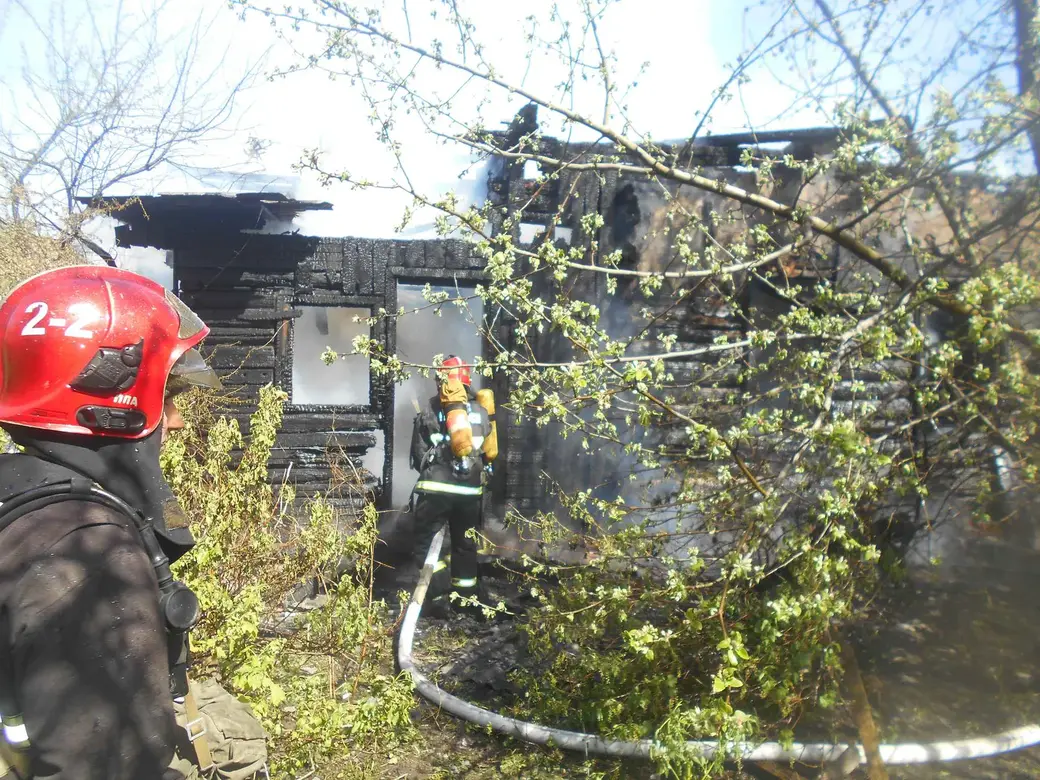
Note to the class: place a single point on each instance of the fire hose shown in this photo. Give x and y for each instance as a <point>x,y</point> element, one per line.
<point>592,745</point>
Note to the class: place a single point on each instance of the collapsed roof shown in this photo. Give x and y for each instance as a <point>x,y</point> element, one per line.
<point>148,219</point>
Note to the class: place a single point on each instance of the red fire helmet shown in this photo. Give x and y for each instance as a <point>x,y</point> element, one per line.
<point>453,368</point>
<point>96,350</point>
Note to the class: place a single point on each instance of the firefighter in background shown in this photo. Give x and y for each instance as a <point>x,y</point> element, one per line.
<point>454,443</point>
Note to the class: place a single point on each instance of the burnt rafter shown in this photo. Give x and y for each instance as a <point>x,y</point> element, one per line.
<point>718,150</point>
<point>169,221</point>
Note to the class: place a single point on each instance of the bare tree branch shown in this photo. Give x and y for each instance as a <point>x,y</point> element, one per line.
<point>107,106</point>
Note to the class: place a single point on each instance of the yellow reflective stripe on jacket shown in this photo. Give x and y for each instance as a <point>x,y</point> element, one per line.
<point>464,582</point>
<point>429,486</point>
<point>15,733</point>
<point>14,748</point>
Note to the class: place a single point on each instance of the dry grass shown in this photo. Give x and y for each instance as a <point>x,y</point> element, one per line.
<point>24,253</point>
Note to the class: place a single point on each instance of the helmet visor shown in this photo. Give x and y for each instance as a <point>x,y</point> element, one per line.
<point>190,324</point>
<point>190,371</point>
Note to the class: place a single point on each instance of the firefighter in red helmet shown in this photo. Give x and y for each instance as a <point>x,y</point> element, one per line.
<point>92,624</point>
<point>450,451</point>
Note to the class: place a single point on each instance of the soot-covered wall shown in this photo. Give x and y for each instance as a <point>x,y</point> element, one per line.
<point>262,293</point>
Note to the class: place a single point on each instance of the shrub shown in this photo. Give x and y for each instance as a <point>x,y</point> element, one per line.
<point>24,253</point>
<point>321,682</point>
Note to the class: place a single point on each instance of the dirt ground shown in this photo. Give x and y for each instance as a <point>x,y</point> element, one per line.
<point>950,652</point>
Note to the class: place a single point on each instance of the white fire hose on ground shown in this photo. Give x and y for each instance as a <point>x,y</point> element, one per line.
<point>590,745</point>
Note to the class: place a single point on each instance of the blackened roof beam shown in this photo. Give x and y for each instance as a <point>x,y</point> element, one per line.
<point>164,220</point>
<point>719,149</point>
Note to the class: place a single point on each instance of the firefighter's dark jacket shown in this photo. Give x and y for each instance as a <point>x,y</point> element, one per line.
<point>83,653</point>
<point>431,453</point>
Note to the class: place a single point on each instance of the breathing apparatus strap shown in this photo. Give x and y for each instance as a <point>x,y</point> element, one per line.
<point>177,603</point>
<point>196,729</point>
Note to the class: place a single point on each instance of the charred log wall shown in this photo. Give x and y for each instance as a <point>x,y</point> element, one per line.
<point>250,290</point>
<point>641,221</point>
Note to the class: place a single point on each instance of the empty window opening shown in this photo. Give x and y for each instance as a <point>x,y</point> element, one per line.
<point>316,330</point>
<point>564,234</point>
<point>529,231</point>
<point>421,335</point>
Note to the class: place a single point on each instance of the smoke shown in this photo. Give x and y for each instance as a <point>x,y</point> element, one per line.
<point>345,382</point>
<point>372,461</point>
<point>421,335</point>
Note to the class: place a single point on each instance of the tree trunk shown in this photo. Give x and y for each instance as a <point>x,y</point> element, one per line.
<point>1026,64</point>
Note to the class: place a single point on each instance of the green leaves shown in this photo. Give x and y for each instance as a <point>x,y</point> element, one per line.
<point>737,437</point>
<point>724,681</point>
<point>322,691</point>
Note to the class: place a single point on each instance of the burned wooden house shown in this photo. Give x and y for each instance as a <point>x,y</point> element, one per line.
<point>275,300</point>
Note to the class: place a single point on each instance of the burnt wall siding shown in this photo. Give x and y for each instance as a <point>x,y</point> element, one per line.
<point>696,320</point>
<point>695,315</point>
<point>246,291</point>
<point>249,289</point>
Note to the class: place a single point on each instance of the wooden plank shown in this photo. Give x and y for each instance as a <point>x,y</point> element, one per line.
<point>382,258</point>
<point>397,253</point>
<point>313,476</point>
<point>352,266</point>
<point>278,475</point>
<point>329,255</point>
<point>273,314</point>
<point>349,440</point>
<point>436,254</point>
<point>239,333</point>
<point>239,317</point>
<point>226,356</point>
<point>436,276</point>
<point>323,271</point>
<point>249,376</point>
<point>314,424</point>
<point>313,460</point>
<point>368,271</point>
<point>415,254</point>
<point>246,394</point>
<point>195,279</point>
<point>296,422</point>
<point>245,337</point>
<point>231,299</point>
<point>460,256</point>
<point>309,457</point>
